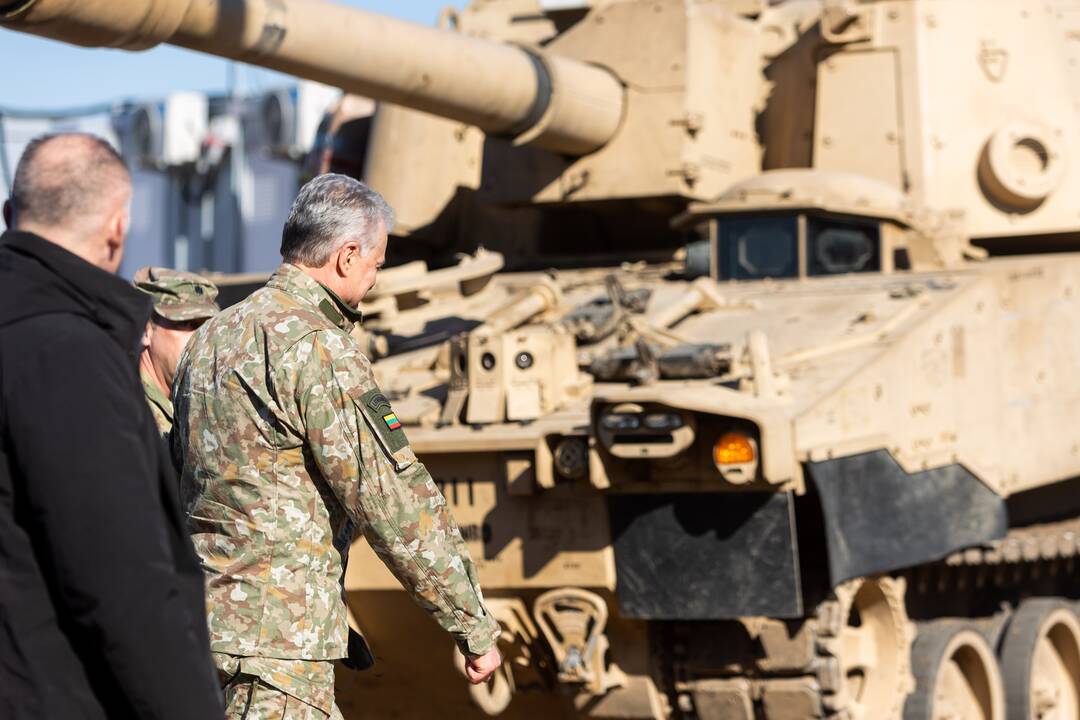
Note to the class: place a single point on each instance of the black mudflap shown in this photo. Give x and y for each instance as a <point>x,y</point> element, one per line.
<point>878,518</point>
<point>706,556</point>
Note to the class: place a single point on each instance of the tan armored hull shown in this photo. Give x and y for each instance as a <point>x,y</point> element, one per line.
<point>883,392</point>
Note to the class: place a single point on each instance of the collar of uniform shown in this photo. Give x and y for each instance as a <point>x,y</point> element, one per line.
<point>298,283</point>
<point>155,395</point>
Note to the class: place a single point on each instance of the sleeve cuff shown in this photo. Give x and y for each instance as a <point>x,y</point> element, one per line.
<point>481,637</point>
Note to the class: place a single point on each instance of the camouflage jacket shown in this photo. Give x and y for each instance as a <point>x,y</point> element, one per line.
<point>286,445</point>
<point>160,405</point>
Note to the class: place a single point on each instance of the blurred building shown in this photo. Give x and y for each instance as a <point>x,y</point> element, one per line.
<point>213,176</point>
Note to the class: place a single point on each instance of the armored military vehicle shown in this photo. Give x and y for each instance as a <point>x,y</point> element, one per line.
<point>762,401</point>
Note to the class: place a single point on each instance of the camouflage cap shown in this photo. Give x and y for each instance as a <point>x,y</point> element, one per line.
<point>178,295</point>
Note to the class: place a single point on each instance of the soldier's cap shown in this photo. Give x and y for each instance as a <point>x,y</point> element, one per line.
<point>178,296</point>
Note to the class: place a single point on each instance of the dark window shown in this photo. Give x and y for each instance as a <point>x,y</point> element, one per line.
<point>755,248</point>
<point>901,259</point>
<point>839,247</point>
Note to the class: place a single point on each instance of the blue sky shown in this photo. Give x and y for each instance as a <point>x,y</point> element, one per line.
<point>49,75</point>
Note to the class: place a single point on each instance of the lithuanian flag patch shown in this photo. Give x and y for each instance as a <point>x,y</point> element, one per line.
<point>391,421</point>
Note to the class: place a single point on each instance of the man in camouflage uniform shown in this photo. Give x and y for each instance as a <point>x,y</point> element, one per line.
<point>182,302</point>
<point>287,445</point>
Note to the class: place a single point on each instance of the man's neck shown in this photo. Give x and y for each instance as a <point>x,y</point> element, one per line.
<point>146,366</point>
<point>325,276</point>
<point>58,236</point>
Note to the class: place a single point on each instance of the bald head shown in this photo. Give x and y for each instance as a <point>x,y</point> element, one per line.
<point>73,189</point>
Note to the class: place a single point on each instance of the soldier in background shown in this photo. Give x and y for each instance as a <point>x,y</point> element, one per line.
<point>183,301</point>
<point>287,445</point>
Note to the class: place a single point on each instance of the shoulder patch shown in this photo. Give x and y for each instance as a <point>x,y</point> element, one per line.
<point>387,428</point>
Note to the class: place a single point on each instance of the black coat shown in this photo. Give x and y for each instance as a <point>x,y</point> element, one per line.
<point>102,612</point>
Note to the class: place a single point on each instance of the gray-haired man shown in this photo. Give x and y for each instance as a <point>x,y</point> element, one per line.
<point>287,444</point>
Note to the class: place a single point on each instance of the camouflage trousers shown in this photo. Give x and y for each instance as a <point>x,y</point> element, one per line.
<point>272,689</point>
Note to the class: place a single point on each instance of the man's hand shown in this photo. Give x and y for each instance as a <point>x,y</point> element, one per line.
<point>479,668</point>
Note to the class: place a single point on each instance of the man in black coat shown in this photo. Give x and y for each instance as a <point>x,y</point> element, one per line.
<point>101,596</point>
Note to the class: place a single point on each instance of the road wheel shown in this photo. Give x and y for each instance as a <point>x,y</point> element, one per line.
<point>1040,662</point>
<point>865,628</point>
<point>956,675</point>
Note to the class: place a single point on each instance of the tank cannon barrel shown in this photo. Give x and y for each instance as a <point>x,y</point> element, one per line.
<point>553,102</point>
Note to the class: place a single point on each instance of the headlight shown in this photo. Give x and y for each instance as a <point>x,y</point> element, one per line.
<point>642,432</point>
<point>663,421</point>
<point>621,421</point>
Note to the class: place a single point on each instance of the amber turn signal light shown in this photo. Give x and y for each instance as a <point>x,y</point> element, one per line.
<point>733,448</point>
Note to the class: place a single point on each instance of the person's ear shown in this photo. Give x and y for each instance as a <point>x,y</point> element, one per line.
<point>115,232</point>
<point>9,215</point>
<point>348,259</point>
<point>148,333</point>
